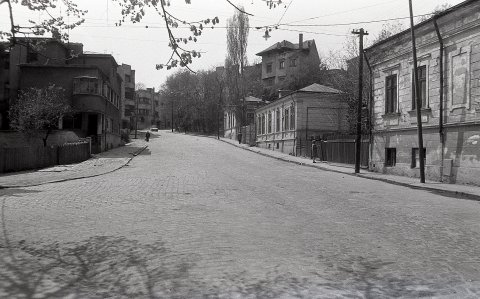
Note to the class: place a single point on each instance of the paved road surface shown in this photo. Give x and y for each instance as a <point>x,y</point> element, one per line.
<point>193,217</point>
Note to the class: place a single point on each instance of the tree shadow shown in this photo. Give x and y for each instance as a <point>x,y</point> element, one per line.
<point>369,278</point>
<point>98,267</point>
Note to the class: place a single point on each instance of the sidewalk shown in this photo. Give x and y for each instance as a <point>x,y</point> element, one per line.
<point>99,164</point>
<point>454,190</point>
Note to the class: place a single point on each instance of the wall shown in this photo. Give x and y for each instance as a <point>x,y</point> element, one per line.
<point>458,159</point>
<point>17,139</point>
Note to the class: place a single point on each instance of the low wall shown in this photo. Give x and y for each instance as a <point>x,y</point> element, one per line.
<point>35,157</point>
<point>17,139</point>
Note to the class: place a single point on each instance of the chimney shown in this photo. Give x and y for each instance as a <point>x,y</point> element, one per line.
<point>300,41</point>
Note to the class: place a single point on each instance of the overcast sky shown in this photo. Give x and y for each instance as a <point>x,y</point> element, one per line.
<point>143,48</point>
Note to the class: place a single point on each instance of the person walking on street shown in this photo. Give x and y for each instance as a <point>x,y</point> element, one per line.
<point>314,150</point>
<point>147,136</point>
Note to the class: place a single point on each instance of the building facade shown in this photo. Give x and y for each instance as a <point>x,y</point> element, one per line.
<point>128,102</point>
<point>450,111</point>
<point>90,82</point>
<point>286,124</point>
<point>284,60</point>
<point>232,116</point>
<point>148,108</point>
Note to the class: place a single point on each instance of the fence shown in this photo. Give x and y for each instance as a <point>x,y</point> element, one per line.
<point>24,158</point>
<point>341,149</point>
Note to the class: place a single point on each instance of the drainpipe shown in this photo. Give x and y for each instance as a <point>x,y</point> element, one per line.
<point>370,105</point>
<point>440,124</point>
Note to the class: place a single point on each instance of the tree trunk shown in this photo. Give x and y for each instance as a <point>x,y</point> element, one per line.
<point>46,137</point>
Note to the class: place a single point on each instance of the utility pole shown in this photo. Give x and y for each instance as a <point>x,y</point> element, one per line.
<point>358,140</point>
<point>172,115</point>
<point>136,114</point>
<point>421,153</point>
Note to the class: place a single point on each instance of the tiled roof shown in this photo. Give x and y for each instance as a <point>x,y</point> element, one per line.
<point>285,45</point>
<point>319,88</point>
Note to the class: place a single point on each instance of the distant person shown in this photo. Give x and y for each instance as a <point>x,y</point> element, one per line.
<point>147,136</point>
<point>314,150</point>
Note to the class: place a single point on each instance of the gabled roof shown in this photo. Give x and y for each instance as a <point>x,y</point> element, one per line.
<point>285,45</point>
<point>319,88</point>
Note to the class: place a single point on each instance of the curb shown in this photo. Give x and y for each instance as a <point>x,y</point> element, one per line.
<point>134,154</point>
<point>457,194</point>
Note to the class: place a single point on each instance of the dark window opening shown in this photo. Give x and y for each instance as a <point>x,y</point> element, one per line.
<point>390,157</point>
<point>422,82</point>
<point>391,94</point>
<point>416,157</point>
<point>73,122</point>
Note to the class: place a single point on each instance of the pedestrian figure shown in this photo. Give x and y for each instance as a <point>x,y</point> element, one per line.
<point>314,150</point>
<point>147,136</point>
<point>239,138</point>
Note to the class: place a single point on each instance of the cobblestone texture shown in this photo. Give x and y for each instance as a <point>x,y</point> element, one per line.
<point>197,218</point>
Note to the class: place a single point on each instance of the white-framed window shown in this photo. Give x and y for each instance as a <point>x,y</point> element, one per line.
<point>459,78</point>
<point>391,83</point>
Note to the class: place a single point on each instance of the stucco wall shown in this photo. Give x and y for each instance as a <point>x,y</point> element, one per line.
<point>461,34</point>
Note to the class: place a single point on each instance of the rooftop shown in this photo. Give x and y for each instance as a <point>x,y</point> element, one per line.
<point>285,45</point>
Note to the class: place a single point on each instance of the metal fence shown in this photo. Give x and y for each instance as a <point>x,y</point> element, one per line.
<point>25,158</point>
<point>341,149</point>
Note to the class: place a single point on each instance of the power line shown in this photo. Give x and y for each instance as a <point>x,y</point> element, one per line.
<point>281,18</point>
<point>353,23</point>
<point>341,12</point>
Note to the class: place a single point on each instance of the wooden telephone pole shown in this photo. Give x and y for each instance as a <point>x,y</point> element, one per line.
<point>421,153</point>
<point>358,141</point>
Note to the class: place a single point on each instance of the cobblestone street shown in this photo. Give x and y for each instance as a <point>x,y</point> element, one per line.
<point>193,217</point>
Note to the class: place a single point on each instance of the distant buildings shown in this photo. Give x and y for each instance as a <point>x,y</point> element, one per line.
<point>287,124</point>
<point>148,108</point>
<point>285,61</point>
<point>232,115</point>
<point>128,106</point>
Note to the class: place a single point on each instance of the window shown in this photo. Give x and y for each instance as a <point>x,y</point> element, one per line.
<point>129,93</point>
<point>263,123</point>
<point>73,122</point>
<point>282,64</point>
<point>292,117</point>
<point>250,117</point>
<point>293,62</point>
<point>259,128</point>
<point>286,119</point>
<point>390,157</point>
<point>281,78</point>
<point>278,121</point>
<point>127,78</point>
<point>269,81</point>
<point>422,82</point>
<point>269,68</point>
<point>270,122</point>
<point>391,94</point>
<point>85,85</point>
<point>416,157</point>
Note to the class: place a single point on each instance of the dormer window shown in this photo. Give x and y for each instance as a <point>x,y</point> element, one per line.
<point>282,64</point>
